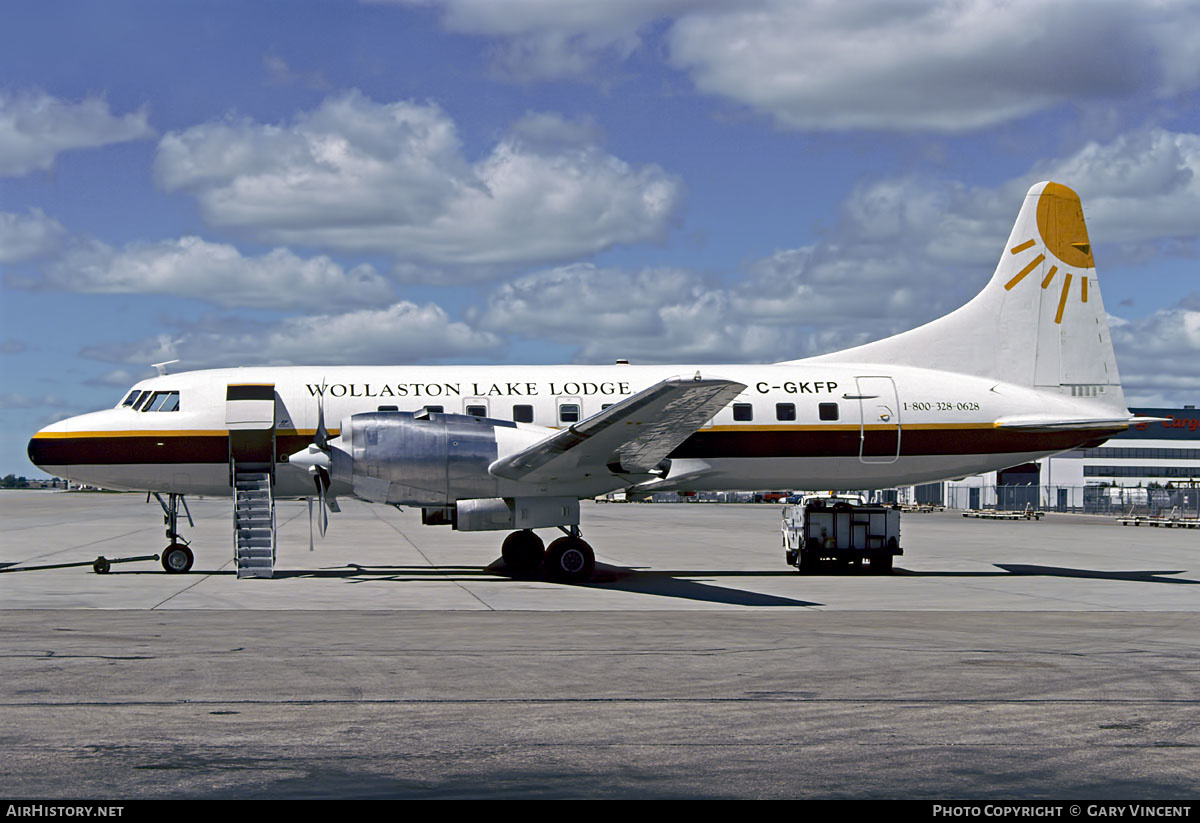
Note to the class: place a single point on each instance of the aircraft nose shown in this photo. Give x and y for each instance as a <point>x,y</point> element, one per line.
<point>45,448</point>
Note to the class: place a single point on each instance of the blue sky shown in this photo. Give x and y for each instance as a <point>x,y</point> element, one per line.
<point>449,181</point>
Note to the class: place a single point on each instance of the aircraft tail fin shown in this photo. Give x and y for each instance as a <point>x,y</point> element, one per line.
<point>1038,322</point>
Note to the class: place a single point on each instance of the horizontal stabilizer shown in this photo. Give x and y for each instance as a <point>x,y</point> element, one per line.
<point>630,437</point>
<point>1032,422</point>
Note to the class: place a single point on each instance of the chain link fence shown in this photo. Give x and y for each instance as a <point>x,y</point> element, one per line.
<point>1115,500</point>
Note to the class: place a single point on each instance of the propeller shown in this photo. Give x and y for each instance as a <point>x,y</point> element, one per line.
<point>317,457</point>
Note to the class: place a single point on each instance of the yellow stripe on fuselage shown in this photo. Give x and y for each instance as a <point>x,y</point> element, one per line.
<point>842,427</point>
<point>168,433</point>
<point>851,427</point>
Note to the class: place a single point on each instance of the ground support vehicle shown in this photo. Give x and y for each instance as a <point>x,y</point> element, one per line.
<point>840,533</point>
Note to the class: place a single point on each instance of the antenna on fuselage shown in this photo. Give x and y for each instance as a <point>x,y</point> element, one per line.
<point>161,368</point>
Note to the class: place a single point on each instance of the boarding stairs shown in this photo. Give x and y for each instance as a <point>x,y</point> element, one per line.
<point>250,418</point>
<point>253,521</point>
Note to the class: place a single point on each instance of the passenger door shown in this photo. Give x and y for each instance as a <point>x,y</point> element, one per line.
<point>879,419</point>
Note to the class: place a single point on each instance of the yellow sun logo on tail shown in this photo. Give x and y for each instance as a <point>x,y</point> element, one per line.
<point>1064,235</point>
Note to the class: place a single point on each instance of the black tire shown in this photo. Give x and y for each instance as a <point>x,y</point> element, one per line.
<point>177,559</point>
<point>570,560</point>
<point>101,566</point>
<point>809,562</point>
<point>523,552</point>
<point>881,562</point>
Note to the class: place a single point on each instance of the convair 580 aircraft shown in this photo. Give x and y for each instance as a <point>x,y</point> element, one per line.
<point>1024,370</point>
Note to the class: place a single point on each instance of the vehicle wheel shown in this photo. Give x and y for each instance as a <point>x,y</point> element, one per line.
<point>101,566</point>
<point>809,562</point>
<point>177,558</point>
<point>523,552</point>
<point>570,560</point>
<point>881,563</point>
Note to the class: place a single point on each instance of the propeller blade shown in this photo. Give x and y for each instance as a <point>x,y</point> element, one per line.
<point>330,501</point>
<point>323,522</point>
<point>317,458</point>
<point>321,440</point>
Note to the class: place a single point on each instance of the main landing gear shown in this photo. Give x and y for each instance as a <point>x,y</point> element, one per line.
<point>568,560</point>
<point>177,558</point>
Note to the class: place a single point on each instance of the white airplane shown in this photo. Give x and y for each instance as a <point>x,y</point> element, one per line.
<point>1024,370</point>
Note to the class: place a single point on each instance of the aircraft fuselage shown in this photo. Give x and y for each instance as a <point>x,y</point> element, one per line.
<point>795,426</point>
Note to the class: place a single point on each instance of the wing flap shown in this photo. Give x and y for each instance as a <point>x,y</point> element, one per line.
<point>630,437</point>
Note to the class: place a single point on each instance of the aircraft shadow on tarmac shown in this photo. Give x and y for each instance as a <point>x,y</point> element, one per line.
<point>675,583</point>
<point>661,583</point>
<point>658,582</point>
<point>1019,569</point>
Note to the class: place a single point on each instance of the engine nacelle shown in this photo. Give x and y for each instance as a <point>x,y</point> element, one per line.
<point>423,458</point>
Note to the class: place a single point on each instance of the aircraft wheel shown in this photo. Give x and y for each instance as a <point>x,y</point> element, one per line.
<point>101,566</point>
<point>570,560</point>
<point>523,552</point>
<point>177,558</point>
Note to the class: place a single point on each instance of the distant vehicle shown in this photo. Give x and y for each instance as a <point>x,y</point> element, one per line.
<point>840,532</point>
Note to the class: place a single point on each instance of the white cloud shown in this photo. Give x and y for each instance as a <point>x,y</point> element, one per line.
<point>938,65</point>
<point>116,378</point>
<point>551,130</point>
<point>13,400</point>
<point>359,176</point>
<point>400,333</point>
<point>549,39</point>
<point>1140,187</point>
<point>648,316</point>
<point>279,73</point>
<point>35,127</point>
<point>901,252</point>
<point>24,237</point>
<point>214,272</point>
<point>1159,355</point>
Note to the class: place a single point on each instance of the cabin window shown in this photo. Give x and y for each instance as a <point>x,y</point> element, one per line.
<point>568,413</point>
<point>522,414</point>
<point>604,406</point>
<point>435,409</point>
<point>743,412</point>
<point>162,401</point>
<point>785,411</point>
<point>828,411</point>
<point>477,411</point>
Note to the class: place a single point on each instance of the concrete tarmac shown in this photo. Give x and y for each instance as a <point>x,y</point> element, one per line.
<point>1004,660</point>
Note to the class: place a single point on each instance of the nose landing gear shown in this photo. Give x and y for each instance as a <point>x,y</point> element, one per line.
<point>177,558</point>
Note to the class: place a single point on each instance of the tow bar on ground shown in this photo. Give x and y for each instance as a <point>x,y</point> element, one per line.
<point>100,565</point>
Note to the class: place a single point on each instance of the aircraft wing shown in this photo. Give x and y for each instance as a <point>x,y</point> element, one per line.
<point>629,437</point>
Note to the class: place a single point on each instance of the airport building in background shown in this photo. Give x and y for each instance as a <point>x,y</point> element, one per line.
<point>1151,467</point>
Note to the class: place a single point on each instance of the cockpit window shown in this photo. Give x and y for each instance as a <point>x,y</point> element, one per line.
<point>133,395</point>
<point>165,401</point>
<point>142,398</point>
